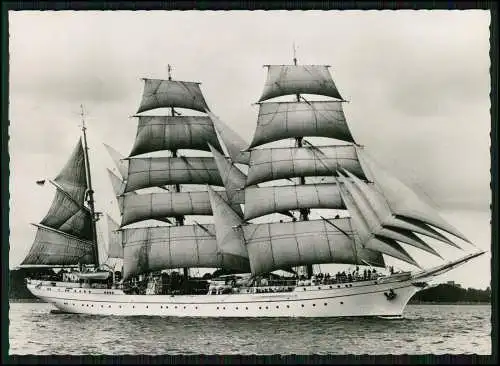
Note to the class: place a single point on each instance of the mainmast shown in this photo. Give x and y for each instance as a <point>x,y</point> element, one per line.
<point>179,220</point>
<point>304,212</point>
<point>90,192</point>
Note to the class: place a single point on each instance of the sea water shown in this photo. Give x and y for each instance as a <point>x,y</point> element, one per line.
<point>423,329</point>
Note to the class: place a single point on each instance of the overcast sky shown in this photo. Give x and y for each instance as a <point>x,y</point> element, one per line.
<point>417,81</point>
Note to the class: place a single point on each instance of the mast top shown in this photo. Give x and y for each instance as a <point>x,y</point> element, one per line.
<point>82,115</point>
<point>294,55</point>
<point>169,69</point>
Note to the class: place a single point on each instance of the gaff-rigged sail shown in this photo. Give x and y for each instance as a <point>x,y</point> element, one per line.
<point>64,236</point>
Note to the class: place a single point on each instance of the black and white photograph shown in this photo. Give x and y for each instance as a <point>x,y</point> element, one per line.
<point>249,182</point>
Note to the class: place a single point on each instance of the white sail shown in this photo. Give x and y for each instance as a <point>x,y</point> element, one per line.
<point>157,133</point>
<point>235,145</point>
<point>232,177</point>
<point>383,212</point>
<point>172,93</point>
<point>115,248</point>
<point>298,79</point>
<point>282,120</point>
<point>120,162</point>
<point>72,178</point>
<point>66,231</point>
<point>404,201</point>
<point>68,216</point>
<point>157,248</point>
<point>53,247</point>
<point>153,172</point>
<point>366,238</point>
<point>230,241</point>
<point>375,225</point>
<point>117,184</point>
<point>279,163</point>
<point>276,245</point>
<point>141,207</point>
<point>261,201</point>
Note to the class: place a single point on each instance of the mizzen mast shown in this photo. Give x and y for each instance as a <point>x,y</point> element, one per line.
<point>90,191</point>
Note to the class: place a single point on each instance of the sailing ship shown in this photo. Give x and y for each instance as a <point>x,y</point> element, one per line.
<point>266,239</point>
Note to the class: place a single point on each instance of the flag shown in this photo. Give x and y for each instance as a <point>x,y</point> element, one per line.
<point>40,182</point>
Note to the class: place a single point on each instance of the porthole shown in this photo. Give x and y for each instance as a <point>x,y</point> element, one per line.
<point>161,306</point>
<point>109,306</point>
<point>338,286</point>
<point>236,308</point>
<point>304,288</point>
<point>319,288</point>
<point>147,307</point>
<point>223,308</point>
<point>246,307</point>
<point>184,307</point>
<point>326,303</point>
<point>302,305</point>
<point>120,306</point>
<point>341,303</point>
<point>331,286</point>
<point>217,308</point>
<point>314,304</point>
<point>166,307</point>
<point>288,306</point>
<point>133,306</point>
<point>267,308</point>
<point>196,307</point>
<point>92,305</point>
<point>175,307</point>
<point>277,307</point>
<point>260,307</point>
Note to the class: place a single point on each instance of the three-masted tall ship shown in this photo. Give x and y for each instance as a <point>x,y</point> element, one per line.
<point>267,236</point>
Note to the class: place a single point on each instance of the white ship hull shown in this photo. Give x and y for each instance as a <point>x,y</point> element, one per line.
<point>355,299</point>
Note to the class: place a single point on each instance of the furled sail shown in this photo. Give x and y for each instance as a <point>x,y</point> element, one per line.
<point>153,172</point>
<point>261,201</point>
<point>120,162</point>
<point>141,207</point>
<point>278,163</point>
<point>232,177</point>
<point>53,247</point>
<point>171,93</point>
<point>403,201</point>
<point>276,245</point>
<point>298,79</point>
<point>115,248</point>
<point>282,120</point>
<point>156,133</point>
<point>157,248</point>
<point>236,146</point>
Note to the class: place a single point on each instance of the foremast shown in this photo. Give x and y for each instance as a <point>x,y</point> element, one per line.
<point>178,245</point>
